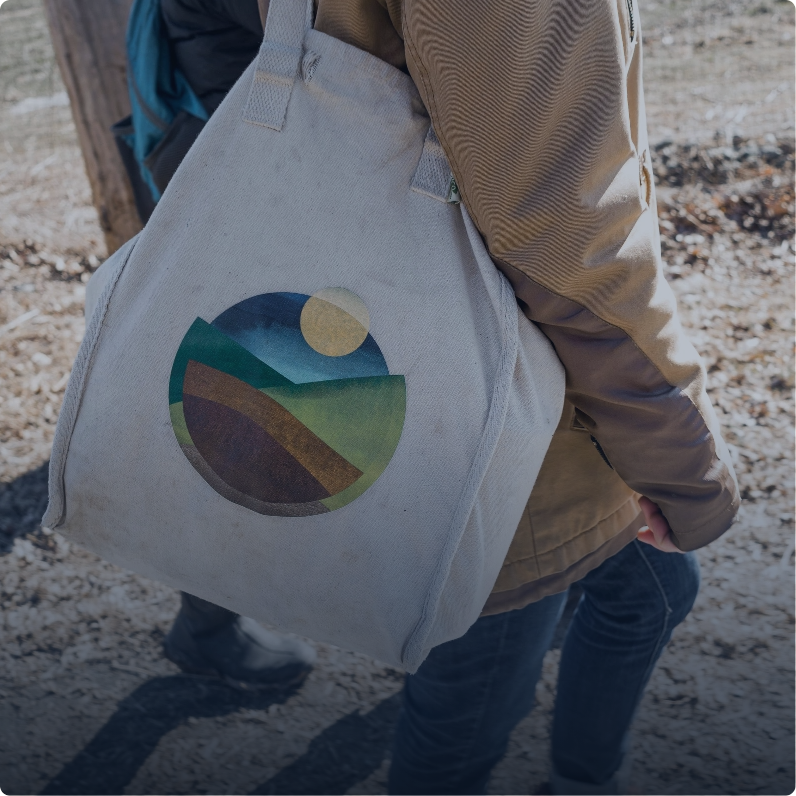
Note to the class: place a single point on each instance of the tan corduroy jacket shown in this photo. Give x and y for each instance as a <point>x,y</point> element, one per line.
<point>539,107</point>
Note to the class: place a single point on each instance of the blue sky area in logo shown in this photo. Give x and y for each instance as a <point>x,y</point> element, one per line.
<point>268,326</point>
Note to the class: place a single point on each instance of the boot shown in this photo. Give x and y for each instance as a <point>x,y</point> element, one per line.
<point>210,640</point>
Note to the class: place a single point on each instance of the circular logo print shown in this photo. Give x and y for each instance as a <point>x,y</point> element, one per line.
<point>284,403</point>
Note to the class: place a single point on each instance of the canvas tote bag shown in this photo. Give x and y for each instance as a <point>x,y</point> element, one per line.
<point>305,393</point>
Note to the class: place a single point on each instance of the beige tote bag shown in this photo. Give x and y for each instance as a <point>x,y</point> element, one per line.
<point>305,392</point>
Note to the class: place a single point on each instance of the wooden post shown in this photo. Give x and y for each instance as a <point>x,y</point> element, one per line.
<point>88,39</point>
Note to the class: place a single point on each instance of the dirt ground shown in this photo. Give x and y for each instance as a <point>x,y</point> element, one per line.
<point>87,702</point>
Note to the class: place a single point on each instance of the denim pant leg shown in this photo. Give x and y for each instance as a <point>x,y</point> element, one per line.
<point>630,605</point>
<point>465,699</point>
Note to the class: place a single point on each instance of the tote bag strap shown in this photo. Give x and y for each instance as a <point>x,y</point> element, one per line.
<point>278,62</point>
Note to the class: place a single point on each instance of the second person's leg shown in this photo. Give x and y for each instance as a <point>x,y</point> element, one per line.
<point>208,639</point>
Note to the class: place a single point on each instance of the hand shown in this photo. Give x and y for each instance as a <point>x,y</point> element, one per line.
<point>658,534</point>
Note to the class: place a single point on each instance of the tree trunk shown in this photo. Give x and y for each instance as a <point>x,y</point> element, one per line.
<point>88,38</point>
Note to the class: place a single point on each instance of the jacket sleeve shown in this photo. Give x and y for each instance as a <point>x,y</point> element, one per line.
<point>539,107</point>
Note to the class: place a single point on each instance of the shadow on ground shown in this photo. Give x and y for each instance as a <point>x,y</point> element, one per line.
<point>22,505</point>
<point>110,761</point>
<point>343,754</point>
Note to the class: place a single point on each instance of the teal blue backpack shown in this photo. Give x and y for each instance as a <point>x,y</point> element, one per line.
<point>166,115</point>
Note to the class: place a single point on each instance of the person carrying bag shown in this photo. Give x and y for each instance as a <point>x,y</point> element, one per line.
<point>545,136</point>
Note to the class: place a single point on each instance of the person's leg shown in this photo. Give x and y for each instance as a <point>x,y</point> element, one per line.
<point>630,605</point>
<point>207,639</point>
<point>467,696</point>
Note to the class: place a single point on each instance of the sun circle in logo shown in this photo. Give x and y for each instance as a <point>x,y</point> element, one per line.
<point>284,403</point>
<point>335,321</point>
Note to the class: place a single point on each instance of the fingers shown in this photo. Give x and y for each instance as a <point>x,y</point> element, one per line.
<point>658,533</point>
<point>665,545</point>
<point>649,508</point>
<point>655,520</point>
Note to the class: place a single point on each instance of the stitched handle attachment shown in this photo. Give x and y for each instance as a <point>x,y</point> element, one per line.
<point>433,176</point>
<point>278,62</point>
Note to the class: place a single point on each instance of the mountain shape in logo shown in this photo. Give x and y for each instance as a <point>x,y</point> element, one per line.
<point>284,403</point>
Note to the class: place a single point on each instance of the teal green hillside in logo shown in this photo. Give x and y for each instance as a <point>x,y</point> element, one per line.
<point>284,403</point>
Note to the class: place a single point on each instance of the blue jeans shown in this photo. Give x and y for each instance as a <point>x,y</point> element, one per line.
<point>469,694</point>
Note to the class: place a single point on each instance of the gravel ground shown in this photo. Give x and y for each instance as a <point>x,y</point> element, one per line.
<point>87,702</point>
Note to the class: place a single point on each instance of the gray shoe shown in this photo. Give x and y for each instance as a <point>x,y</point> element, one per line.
<point>209,640</point>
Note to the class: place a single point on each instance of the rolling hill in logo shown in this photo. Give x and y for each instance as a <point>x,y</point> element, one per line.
<point>284,403</point>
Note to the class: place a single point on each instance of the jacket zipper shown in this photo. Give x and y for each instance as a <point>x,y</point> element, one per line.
<point>630,17</point>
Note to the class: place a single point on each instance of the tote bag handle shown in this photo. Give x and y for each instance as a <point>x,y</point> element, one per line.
<point>278,62</point>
